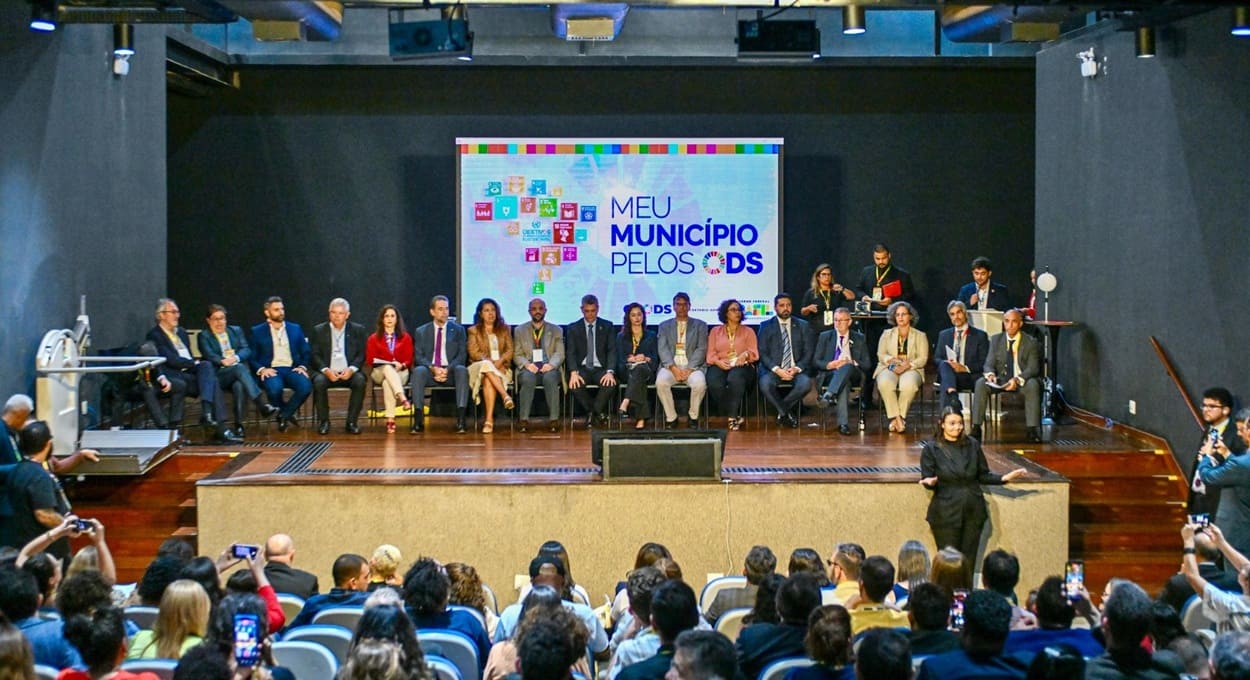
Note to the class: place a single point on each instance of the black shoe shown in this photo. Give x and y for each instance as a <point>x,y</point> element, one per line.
<point>602,420</point>
<point>417,426</point>
<point>240,431</point>
<point>1034,435</point>
<point>792,422</point>
<point>353,428</point>
<point>844,429</point>
<point>225,436</point>
<point>670,424</point>
<point>323,427</point>
<point>692,423</point>
<point>975,432</point>
<point>824,401</point>
<point>461,427</point>
<point>282,424</point>
<point>590,423</point>
<point>524,426</point>
<point>553,425</point>
<point>267,410</point>
<point>292,421</point>
<point>207,421</point>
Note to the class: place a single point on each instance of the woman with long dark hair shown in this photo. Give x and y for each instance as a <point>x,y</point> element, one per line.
<point>388,354</point>
<point>490,359</point>
<point>638,350</point>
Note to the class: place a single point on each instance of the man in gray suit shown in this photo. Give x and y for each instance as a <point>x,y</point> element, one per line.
<point>538,353</point>
<point>683,359</point>
<point>439,351</point>
<point>1013,365</point>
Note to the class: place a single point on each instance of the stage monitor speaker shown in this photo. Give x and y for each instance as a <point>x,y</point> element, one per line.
<point>662,458</point>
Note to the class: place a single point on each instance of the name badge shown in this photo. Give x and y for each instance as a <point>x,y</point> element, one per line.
<point>537,356</point>
<point>876,293</point>
<point>829,317</point>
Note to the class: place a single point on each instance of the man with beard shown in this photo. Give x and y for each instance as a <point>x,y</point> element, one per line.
<point>280,360</point>
<point>539,352</point>
<point>785,353</point>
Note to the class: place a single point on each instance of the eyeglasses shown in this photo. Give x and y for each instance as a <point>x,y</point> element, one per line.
<point>1205,405</point>
<point>170,311</point>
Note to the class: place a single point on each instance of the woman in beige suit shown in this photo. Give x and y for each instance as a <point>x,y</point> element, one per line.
<point>490,359</point>
<point>901,355</point>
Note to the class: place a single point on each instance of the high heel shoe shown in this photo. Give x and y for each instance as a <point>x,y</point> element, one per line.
<point>488,427</point>
<point>640,424</point>
<point>403,401</point>
<point>507,402</point>
<point>390,427</point>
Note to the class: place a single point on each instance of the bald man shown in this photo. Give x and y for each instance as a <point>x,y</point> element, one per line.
<point>279,554</point>
<point>1012,365</point>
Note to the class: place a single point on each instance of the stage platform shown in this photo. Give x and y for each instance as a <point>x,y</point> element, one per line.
<point>491,500</point>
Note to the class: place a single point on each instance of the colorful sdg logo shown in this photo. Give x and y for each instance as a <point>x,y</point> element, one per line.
<point>713,263</point>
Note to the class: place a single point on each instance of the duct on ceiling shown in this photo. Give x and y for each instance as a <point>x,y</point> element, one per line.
<point>318,20</point>
<point>1004,23</point>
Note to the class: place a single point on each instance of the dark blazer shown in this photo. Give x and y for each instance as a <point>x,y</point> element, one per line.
<point>354,339</point>
<point>976,348</point>
<point>166,348</point>
<point>210,348</point>
<point>961,470</point>
<point>455,344</point>
<point>762,643</point>
<point>286,579</point>
<point>649,345</point>
<point>575,349</point>
<point>998,295</point>
<point>801,341</point>
<point>998,360</point>
<point>262,346</point>
<point>868,281</point>
<point>828,342</point>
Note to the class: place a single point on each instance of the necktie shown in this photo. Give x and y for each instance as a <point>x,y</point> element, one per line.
<point>591,360</point>
<point>1011,358</point>
<point>438,346</point>
<point>959,345</point>
<point>787,353</point>
<point>837,351</point>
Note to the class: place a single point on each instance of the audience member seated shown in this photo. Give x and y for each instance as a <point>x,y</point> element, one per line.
<point>388,356</point>
<point>85,592</point>
<point>426,592</point>
<point>1059,662</point>
<point>549,650</point>
<point>1000,572</point>
<point>762,643</point>
<point>19,602</point>
<point>765,608</point>
<point>969,345</point>
<point>490,359</point>
<point>981,292</point>
<point>902,354</point>
<point>647,555</point>
<point>760,562</point>
<point>387,625</point>
<point>683,359</point>
<point>592,360</point>
<point>204,662</point>
<point>47,572</point>
<point>571,590</point>
<point>180,625</point>
<point>1230,656</point>
<point>883,654</point>
<point>786,348</point>
<point>467,591</point>
<point>912,570</point>
<point>703,655</point>
<point>542,604</point>
<point>549,571</point>
<point>1126,620</point>
<point>929,609</point>
<point>538,348</point>
<point>384,568</point>
<point>674,610</point>
<point>876,580</point>
<point>1192,652</point>
<point>194,377</point>
<point>950,570</point>
<point>635,639</point>
<point>280,358</point>
<point>203,571</point>
<point>828,643</point>
<point>279,556</point>
<point>16,659</point>
<point>226,347</point>
<point>159,573</point>
<point>732,351</point>
<point>1229,611</point>
<point>1055,612</point>
<point>371,659</point>
<point>844,568</point>
<point>101,640</point>
<point>351,585</point>
<point>1012,365</point>
<point>1177,591</point>
<point>337,353</point>
<point>637,359</point>
<point>221,633</point>
<point>1165,625</point>
<point>810,561</point>
<point>987,621</point>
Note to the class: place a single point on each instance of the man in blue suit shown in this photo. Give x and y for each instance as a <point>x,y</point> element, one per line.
<point>440,348</point>
<point>194,378</point>
<point>958,348</point>
<point>982,293</point>
<point>785,354</point>
<point>280,359</point>
<point>841,358</point>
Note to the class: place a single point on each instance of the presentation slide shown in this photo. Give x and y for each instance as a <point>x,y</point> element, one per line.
<point>629,220</point>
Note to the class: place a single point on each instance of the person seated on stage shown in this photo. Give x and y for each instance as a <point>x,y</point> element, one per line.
<point>637,357</point>
<point>1220,440</point>
<point>1126,618</point>
<point>683,358</point>
<point>1012,365</point>
<point>1055,612</point>
<point>844,568</point>
<point>902,354</point>
<point>279,556</point>
<point>226,347</point>
<point>351,589</point>
<point>636,639</point>
<point>17,410</point>
<point>823,297</point>
<point>732,351</point>
<point>759,563</point>
<point>929,610</point>
<point>547,570</point>
<point>490,359</point>
<point>539,353</point>
<point>876,580</point>
<point>987,621</point>
<point>883,654</point>
<point>982,293</point>
<point>427,590</point>
<point>674,610</point>
<point>440,349</point>
<point>828,643</point>
<point>280,358</point>
<point>592,360</point>
<point>841,359</point>
<point>785,356</point>
<point>338,352</point>
<point>882,284</point>
<point>762,643</point>
<point>196,378</point>
<point>388,356</point>
<point>1000,572</point>
<point>703,655</point>
<point>1177,591</point>
<point>958,348</point>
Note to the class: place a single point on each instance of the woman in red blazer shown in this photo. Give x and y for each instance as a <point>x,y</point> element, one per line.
<point>388,354</point>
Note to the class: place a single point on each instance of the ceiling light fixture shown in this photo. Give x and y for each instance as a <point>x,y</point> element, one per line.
<point>123,40</point>
<point>853,20</point>
<point>1145,42</point>
<point>43,15</point>
<point>1241,21</point>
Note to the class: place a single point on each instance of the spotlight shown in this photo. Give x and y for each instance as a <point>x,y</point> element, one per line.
<point>1241,21</point>
<point>853,20</point>
<point>123,40</point>
<point>1145,42</point>
<point>43,15</point>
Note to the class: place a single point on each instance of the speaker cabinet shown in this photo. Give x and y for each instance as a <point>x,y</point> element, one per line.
<point>662,458</point>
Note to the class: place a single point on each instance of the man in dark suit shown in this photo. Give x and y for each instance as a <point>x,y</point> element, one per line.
<point>785,355</point>
<point>279,554</point>
<point>587,367</point>
<point>440,348</point>
<point>194,378</point>
<point>959,347</point>
<point>981,292</point>
<point>841,359</point>
<point>225,347</point>
<point>883,283</point>
<point>1217,409</point>
<point>1013,365</point>
<point>338,352</point>
<point>280,359</point>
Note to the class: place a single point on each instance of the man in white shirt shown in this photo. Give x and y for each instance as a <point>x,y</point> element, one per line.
<point>338,351</point>
<point>1013,365</point>
<point>280,360</point>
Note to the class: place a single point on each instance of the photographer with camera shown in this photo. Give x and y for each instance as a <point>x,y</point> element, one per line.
<point>1229,611</point>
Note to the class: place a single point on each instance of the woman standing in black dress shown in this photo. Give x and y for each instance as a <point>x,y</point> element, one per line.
<point>953,465</point>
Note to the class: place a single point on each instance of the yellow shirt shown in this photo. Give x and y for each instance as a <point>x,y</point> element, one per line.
<point>877,616</point>
<point>143,645</point>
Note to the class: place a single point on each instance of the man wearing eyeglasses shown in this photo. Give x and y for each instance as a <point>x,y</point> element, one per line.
<point>1218,442</point>
<point>183,374</point>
